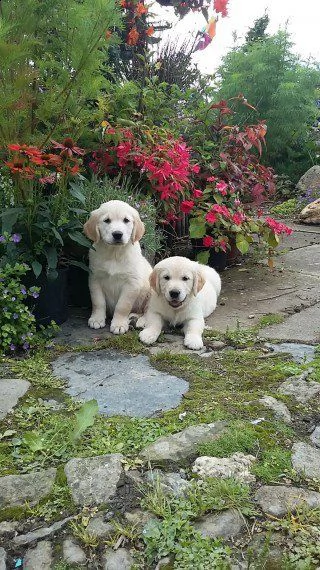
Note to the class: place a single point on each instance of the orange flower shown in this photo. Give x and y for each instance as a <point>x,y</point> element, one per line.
<point>141,9</point>
<point>108,34</point>
<point>123,3</point>
<point>150,31</point>
<point>133,37</point>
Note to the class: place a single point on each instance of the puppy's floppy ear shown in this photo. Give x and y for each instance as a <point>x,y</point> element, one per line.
<point>138,229</point>
<point>154,281</point>
<point>90,228</point>
<point>198,282</point>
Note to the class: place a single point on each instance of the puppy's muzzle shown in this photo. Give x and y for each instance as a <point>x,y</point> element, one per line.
<point>117,237</point>
<point>174,298</point>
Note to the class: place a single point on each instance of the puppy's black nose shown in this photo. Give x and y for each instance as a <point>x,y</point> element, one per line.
<point>117,236</point>
<point>174,294</point>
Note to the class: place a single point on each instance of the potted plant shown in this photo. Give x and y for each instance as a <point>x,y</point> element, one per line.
<point>39,209</point>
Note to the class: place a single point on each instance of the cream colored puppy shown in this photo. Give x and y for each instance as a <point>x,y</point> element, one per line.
<point>119,274</point>
<point>184,293</point>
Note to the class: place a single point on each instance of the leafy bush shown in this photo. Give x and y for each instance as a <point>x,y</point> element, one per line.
<point>18,327</point>
<point>287,209</point>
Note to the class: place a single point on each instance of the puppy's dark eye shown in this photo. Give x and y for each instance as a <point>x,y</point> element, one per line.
<point>185,278</point>
<point>126,220</point>
<point>107,221</point>
<point>166,277</point>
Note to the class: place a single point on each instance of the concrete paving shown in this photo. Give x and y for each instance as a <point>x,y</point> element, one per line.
<point>11,390</point>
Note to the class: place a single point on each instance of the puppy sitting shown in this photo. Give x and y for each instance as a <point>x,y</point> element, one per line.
<point>184,292</point>
<point>119,274</point>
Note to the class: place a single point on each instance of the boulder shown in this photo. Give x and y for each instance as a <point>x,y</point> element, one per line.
<point>280,410</point>
<point>73,553</point>
<point>120,559</point>
<point>225,525</point>
<point>40,557</point>
<point>311,213</point>
<point>278,500</point>
<point>310,180</point>
<point>18,489</point>
<point>306,460</point>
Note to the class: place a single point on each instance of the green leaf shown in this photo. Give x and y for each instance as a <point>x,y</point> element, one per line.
<point>273,240</point>
<point>203,257</point>
<point>79,264</point>
<point>242,243</point>
<point>56,233</point>
<point>76,193</point>
<point>79,238</point>
<point>9,218</point>
<point>52,257</point>
<point>34,441</point>
<point>37,267</point>
<point>197,228</point>
<point>84,419</point>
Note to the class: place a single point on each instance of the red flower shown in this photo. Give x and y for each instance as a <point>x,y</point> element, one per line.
<point>141,9</point>
<point>208,241</point>
<point>238,218</point>
<point>223,210</point>
<point>14,147</point>
<point>68,147</point>
<point>211,179</point>
<point>150,31</point>
<point>195,168</point>
<point>278,227</point>
<point>220,6</point>
<point>211,217</point>
<point>133,37</point>
<point>186,206</point>
<point>197,193</point>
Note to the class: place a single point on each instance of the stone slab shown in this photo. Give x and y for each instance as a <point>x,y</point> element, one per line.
<point>278,500</point>
<point>40,557</point>
<point>94,480</point>
<point>300,353</point>
<point>11,389</point>
<point>301,327</point>
<point>121,384</point>
<point>306,460</point>
<point>3,559</point>
<point>18,489</point>
<point>120,559</point>
<point>43,532</point>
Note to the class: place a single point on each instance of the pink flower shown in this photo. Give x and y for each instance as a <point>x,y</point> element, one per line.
<point>237,202</point>
<point>278,227</point>
<point>238,218</point>
<point>196,168</point>
<point>208,241</point>
<point>186,206</point>
<point>223,244</point>
<point>222,210</point>
<point>197,193</point>
<point>211,217</point>
<point>222,188</point>
<point>211,179</point>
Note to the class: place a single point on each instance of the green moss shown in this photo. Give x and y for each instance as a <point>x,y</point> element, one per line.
<point>128,342</point>
<point>271,319</point>
<point>13,513</point>
<point>273,465</point>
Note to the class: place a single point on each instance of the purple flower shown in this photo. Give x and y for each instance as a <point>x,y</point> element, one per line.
<point>25,346</point>
<point>16,238</point>
<point>23,337</point>
<point>35,294</point>
<point>12,347</point>
<point>15,316</point>
<point>23,290</point>
<point>2,239</point>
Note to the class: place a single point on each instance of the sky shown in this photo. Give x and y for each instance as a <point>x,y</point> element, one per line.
<point>303,22</point>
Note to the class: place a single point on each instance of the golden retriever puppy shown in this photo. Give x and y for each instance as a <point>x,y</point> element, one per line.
<point>119,274</point>
<point>184,293</point>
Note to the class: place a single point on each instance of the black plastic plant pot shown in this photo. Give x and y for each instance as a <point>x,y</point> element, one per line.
<point>78,288</point>
<point>217,259</point>
<point>52,303</point>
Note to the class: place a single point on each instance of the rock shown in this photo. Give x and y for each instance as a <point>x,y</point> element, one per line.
<point>182,445</point>
<point>310,180</point>
<point>39,558</point>
<point>3,559</point>
<point>94,480</point>
<point>11,389</point>
<point>315,436</point>
<point>301,353</point>
<point>311,213</point>
<point>100,528</point>
<point>225,525</point>
<point>72,553</point>
<point>18,489</point>
<point>279,408</point>
<point>8,528</point>
<point>215,344</point>
<point>139,518</point>
<point>301,389</point>
<point>171,483</point>
<point>120,559</point>
<point>165,564</point>
<point>267,549</point>
<point>279,500</point>
<point>40,532</point>
<point>237,466</point>
<point>306,460</point>
<point>135,477</point>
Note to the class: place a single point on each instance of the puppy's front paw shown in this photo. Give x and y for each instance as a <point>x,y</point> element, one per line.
<point>119,327</point>
<point>141,322</point>
<point>148,336</point>
<point>96,322</point>
<point>193,341</point>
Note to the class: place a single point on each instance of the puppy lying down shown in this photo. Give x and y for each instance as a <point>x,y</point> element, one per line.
<point>183,293</point>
